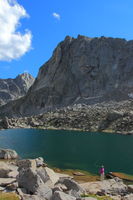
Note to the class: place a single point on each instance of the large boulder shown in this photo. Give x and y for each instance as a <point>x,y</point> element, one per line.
<point>8,170</point>
<point>33,163</point>
<point>48,176</point>
<point>27,163</point>
<point>71,184</point>
<point>40,162</point>
<point>4,170</point>
<point>44,192</point>
<point>29,180</point>
<point>8,154</point>
<point>73,188</point>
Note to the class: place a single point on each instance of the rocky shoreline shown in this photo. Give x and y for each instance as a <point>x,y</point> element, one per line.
<point>31,179</point>
<point>113,117</point>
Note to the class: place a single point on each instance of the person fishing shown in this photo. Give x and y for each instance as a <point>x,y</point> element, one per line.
<point>101,171</point>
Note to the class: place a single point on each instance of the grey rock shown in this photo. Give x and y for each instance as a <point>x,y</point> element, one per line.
<point>111,187</point>
<point>130,188</point>
<point>8,154</point>
<point>21,191</point>
<point>60,187</point>
<point>44,192</point>
<point>57,188</point>
<point>62,196</point>
<point>6,181</point>
<point>128,197</point>
<point>40,162</point>
<point>48,176</point>
<point>74,193</point>
<point>12,186</point>
<point>71,185</point>
<point>8,170</point>
<point>4,170</point>
<point>11,89</point>
<point>26,163</point>
<point>29,180</point>
<point>13,174</point>
<point>31,197</point>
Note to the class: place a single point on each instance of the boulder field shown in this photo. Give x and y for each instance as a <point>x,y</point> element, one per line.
<point>102,117</point>
<point>31,179</point>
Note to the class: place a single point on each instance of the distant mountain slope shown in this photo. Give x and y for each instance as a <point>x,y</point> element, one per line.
<point>11,89</point>
<point>82,70</point>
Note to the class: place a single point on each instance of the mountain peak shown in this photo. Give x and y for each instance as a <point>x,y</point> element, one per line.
<point>11,89</point>
<point>82,70</point>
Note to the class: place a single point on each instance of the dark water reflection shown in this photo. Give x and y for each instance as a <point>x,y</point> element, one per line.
<point>73,150</point>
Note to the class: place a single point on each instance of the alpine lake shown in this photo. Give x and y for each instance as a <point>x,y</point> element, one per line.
<point>73,149</point>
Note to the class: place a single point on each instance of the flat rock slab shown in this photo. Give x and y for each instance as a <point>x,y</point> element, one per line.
<point>6,181</point>
<point>8,170</point>
<point>108,186</point>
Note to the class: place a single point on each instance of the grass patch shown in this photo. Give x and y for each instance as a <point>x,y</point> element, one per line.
<point>123,176</point>
<point>8,196</point>
<point>98,197</point>
<point>87,177</point>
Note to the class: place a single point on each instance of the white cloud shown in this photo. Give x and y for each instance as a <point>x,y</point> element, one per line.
<point>56,15</point>
<point>13,44</point>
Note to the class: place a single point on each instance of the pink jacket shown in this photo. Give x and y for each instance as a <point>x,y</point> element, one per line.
<point>101,171</point>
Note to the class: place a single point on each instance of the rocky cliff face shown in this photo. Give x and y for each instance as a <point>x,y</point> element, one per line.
<point>83,70</point>
<point>11,89</point>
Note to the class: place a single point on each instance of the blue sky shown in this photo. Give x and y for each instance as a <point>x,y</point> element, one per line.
<point>92,18</point>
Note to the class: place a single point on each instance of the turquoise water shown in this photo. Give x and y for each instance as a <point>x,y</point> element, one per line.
<point>71,149</point>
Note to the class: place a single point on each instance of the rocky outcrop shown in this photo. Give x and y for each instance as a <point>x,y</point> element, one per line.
<point>82,70</point>
<point>11,89</point>
<point>107,187</point>
<point>8,170</point>
<point>8,154</point>
<point>33,182</point>
<point>102,117</point>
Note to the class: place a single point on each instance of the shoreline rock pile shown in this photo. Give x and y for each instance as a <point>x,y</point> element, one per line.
<point>103,117</point>
<point>31,179</point>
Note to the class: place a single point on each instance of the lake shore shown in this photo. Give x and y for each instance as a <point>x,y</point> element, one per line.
<point>116,118</point>
<point>31,179</point>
